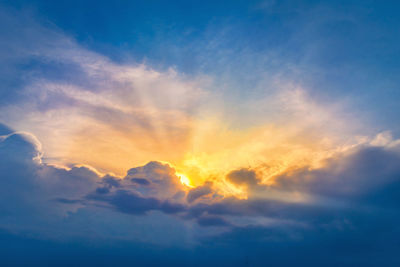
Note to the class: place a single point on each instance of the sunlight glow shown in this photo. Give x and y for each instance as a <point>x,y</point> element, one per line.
<point>184,180</point>
<point>165,117</point>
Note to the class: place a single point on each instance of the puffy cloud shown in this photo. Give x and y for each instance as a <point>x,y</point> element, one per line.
<point>153,186</point>
<point>53,202</point>
<point>154,179</point>
<point>33,193</point>
<point>28,181</point>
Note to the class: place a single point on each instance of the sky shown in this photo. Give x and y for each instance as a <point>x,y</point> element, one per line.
<point>193,133</point>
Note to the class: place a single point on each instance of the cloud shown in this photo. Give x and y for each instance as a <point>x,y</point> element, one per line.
<point>313,192</point>
<point>366,177</point>
<point>141,181</point>
<point>344,197</point>
<point>24,173</point>
<point>129,113</point>
<point>32,191</point>
<point>153,186</point>
<point>132,203</point>
<point>243,177</point>
<point>365,171</point>
<point>59,84</point>
<point>199,192</point>
<point>53,202</point>
<point>303,185</point>
<point>154,179</point>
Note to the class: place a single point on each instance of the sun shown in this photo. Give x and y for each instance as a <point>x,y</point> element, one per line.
<point>184,179</point>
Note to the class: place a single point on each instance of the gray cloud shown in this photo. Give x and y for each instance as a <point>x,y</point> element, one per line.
<point>366,172</point>
<point>199,192</point>
<point>243,177</point>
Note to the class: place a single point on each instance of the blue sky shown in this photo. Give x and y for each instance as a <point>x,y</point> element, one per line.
<point>199,133</point>
<point>336,49</point>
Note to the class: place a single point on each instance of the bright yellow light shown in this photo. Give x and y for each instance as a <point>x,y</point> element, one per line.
<point>205,149</point>
<point>184,179</point>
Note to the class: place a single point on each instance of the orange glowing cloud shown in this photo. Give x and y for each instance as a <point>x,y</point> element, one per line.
<point>128,115</point>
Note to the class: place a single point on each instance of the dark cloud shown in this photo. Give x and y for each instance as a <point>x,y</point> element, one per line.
<point>111,181</point>
<point>243,177</point>
<point>132,203</point>
<point>102,190</point>
<point>141,181</point>
<point>199,192</point>
<point>367,174</point>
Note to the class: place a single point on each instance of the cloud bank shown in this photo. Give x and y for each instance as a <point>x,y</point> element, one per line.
<point>336,205</point>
